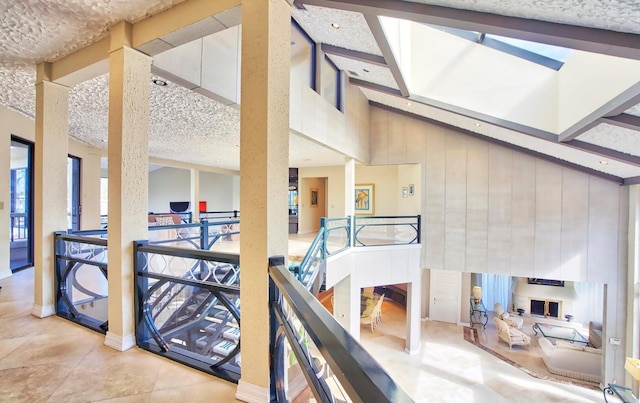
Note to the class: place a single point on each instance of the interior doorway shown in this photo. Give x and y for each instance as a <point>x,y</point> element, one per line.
<point>21,204</point>
<point>444,292</point>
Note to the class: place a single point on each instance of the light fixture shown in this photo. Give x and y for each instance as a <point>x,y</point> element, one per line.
<point>365,70</point>
<point>604,162</point>
<point>335,25</point>
<point>408,103</point>
<point>477,124</point>
<point>477,293</point>
<point>159,82</point>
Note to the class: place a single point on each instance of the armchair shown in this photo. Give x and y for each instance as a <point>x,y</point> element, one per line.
<point>373,314</point>
<point>511,335</point>
<point>513,321</point>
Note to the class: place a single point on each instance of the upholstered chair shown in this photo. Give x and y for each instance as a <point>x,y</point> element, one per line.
<point>511,335</point>
<point>513,321</point>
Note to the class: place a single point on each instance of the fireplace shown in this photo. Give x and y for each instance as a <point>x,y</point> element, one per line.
<point>545,307</point>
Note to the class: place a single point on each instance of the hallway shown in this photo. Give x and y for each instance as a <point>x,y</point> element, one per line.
<point>53,360</point>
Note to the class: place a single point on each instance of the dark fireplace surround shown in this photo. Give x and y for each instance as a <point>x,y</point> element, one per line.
<point>545,308</point>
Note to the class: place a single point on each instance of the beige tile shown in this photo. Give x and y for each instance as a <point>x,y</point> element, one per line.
<point>33,383</point>
<point>212,391</point>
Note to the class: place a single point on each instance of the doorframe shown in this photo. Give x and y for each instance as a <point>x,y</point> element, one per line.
<point>30,145</point>
<point>457,297</point>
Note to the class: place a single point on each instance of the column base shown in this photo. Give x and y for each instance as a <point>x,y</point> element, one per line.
<point>251,393</point>
<point>412,352</point>
<point>43,311</point>
<point>120,343</point>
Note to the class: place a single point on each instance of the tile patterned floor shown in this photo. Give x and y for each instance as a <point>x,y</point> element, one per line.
<point>53,360</point>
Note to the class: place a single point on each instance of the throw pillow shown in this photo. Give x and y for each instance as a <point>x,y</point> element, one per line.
<point>505,315</point>
<point>571,346</point>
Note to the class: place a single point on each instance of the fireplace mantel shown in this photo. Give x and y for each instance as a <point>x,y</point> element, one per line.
<point>524,292</point>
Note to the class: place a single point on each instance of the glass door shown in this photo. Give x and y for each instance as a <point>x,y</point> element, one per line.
<point>21,204</point>
<point>73,193</point>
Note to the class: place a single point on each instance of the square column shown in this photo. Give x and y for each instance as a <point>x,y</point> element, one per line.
<point>264,178</point>
<point>195,195</point>
<point>50,184</point>
<point>129,88</point>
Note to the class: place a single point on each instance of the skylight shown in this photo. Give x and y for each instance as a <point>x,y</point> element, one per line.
<point>549,56</point>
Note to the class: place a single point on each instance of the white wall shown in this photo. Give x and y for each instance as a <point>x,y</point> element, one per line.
<point>173,184</point>
<point>489,209</point>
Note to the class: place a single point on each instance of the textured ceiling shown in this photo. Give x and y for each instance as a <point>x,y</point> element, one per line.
<point>614,15</point>
<point>365,71</point>
<point>634,111</point>
<point>353,32</point>
<point>616,138</point>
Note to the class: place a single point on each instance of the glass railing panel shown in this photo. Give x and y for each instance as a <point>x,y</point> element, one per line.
<point>380,230</point>
<point>337,234</point>
<point>188,307</point>
<point>81,280</point>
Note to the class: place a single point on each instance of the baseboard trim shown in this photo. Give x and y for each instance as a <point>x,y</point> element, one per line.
<point>412,352</point>
<point>120,343</point>
<point>43,311</point>
<point>250,393</point>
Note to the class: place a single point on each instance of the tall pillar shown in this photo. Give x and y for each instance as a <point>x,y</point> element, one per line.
<point>414,323</point>
<point>264,177</point>
<point>195,195</point>
<point>50,183</point>
<point>129,81</point>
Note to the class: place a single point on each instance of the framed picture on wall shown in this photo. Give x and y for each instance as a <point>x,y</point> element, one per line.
<point>314,197</point>
<point>364,199</point>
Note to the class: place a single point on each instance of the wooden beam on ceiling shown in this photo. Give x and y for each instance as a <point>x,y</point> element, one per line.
<point>620,44</point>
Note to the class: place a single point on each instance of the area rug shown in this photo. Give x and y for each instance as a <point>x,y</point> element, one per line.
<point>471,335</point>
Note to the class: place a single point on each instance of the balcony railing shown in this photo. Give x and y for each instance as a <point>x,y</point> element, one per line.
<point>188,307</point>
<point>336,367</point>
<point>386,230</point>
<point>81,280</point>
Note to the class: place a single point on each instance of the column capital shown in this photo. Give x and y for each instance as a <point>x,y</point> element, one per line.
<point>121,36</point>
<point>43,72</point>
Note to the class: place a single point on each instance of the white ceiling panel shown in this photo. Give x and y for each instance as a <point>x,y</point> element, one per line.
<point>365,71</point>
<point>616,138</point>
<point>353,32</point>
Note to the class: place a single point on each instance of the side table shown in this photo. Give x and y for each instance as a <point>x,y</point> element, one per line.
<point>478,313</point>
<point>625,394</point>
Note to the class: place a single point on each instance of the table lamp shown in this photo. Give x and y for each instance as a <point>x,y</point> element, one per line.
<point>477,293</point>
<point>632,366</point>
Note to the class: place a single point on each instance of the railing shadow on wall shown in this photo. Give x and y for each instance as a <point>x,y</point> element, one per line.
<point>332,362</point>
<point>188,307</point>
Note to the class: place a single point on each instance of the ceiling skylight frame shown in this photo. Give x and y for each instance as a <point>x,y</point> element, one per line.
<point>501,46</point>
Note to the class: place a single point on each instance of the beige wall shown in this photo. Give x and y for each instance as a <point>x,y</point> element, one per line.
<point>11,123</point>
<point>309,217</point>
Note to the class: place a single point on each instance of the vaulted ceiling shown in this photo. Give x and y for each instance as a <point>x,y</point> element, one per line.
<point>447,61</point>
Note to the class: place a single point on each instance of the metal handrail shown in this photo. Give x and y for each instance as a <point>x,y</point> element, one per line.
<point>357,371</point>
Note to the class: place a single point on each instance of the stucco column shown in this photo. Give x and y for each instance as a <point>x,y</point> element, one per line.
<point>129,80</point>
<point>264,177</point>
<point>414,322</point>
<point>633,283</point>
<point>195,195</point>
<point>50,183</point>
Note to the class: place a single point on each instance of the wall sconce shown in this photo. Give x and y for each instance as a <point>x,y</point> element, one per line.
<point>476,293</point>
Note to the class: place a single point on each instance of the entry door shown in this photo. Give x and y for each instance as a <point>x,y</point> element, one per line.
<point>444,291</point>
<point>21,204</point>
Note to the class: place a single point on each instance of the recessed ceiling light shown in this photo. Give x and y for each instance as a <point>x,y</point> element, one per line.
<point>335,25</point>
<point>408,103</point>
<point>159,82</point>
<point>365,70</point>
<point>307,159</point>
<point>604,162</point>
<point>477,124</point>
<point>104,141</point>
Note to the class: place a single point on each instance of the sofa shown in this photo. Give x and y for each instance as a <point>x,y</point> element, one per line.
<point>572,360</point>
